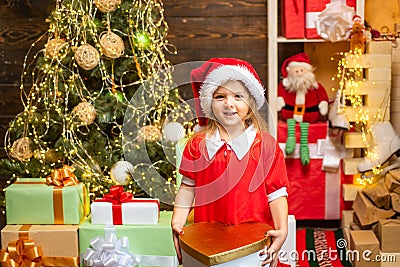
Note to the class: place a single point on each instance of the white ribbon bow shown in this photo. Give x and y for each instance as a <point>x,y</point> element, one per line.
<point>109,251</point>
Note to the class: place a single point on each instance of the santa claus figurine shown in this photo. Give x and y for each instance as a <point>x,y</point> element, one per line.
<point>300,99</point>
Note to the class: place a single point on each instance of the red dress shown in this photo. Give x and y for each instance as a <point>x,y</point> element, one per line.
<point>232,191</point>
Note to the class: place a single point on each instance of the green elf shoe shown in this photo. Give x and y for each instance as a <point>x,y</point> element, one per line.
<point>304,149</point>
<point>291,137</point>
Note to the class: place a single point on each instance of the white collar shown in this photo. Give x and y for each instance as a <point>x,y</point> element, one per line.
<point>240,145</point>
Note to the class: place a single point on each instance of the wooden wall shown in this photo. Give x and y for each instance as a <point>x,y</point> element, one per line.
<point>203,29</point>
<point>199,29</point>
<point>21,23</point>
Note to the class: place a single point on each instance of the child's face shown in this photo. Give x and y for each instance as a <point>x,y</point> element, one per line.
<point>230,104</point>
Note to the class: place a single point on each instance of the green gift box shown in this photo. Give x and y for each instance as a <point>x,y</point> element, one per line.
<point>32,201</point>
<point>152,244</point>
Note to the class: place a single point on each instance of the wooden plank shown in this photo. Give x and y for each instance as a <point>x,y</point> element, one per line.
<point>379,47</point>
<point>258,58</point>
<point>396,55</point>
<point>209,8</point>
<point>349,192</point>
<point>3,129</point>
<point>16,37</point>
<point>19,9</point>
<point>379,74</point>
<point>350,165</point>
<point>10,102</point>
<point>221,33</point>
<point>354,114</point>
<point>369,61</point>
<point>354,140</point>
<point>367,87</point>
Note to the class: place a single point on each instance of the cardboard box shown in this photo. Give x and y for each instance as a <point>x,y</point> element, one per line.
<point>137,211</point>
<point>32,201</point>
<point>361,241</point>
<point>293,19</point>
<point>391,259</point>
<point>151,243</point>
<point>59,243</point>
<point>215,244</point>
<point>388,234</point>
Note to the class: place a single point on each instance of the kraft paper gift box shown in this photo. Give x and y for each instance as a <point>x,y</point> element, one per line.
<point>388,234</point>
<point>365,243</point>
<point>119,207</point>
<point>313,9</point>
<point>58,244</point>
<point>314,194</point>
<point>32,201</point>
<point>293,18</point>
<point>152,244</point>
<point>389,259</point>
<point>216,244</point>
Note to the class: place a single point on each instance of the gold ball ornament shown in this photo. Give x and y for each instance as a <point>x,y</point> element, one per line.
<point>85,112</point>
<point>53,47</point>
<point>21,149</point>
<point>120,172</point>
<point>107,5</point>
<point>87,57</point>
<point>149,133</point>
<point>111,44</point>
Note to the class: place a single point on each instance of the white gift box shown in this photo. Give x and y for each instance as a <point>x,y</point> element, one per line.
<point>288,251</point>
<point>137,211</point>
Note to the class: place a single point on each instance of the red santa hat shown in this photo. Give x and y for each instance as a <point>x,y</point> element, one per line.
<point>217,71</point>
<point>300,60</point>
<point>357,18</point>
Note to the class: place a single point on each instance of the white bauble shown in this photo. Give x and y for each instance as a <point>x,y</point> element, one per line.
<point>120,172</point>
<point>174,131</point>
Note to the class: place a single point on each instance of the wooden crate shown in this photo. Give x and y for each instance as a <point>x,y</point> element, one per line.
<point>379,47</point>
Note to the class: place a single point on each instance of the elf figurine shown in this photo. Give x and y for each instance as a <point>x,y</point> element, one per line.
<point>300,99</point>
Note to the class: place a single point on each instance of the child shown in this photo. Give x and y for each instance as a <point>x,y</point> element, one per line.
<point>233,167</point>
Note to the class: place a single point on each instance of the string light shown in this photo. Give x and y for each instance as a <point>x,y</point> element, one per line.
<point>350,74</point>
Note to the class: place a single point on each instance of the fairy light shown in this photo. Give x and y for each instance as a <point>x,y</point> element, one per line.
<point>350,74</point>
<point>59,84</point>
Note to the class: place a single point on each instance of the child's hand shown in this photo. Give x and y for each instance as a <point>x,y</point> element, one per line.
<point>176,231</point>
<point>278,238</point>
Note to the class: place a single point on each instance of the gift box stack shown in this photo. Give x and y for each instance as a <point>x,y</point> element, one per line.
<point>47,225</point>
<point>373,223</point>
<point>298,17</point>
<point>43,217</point>
<point>314,194</point>
<point>140,234</point>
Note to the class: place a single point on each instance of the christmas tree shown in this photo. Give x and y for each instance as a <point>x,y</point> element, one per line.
<point>100,88</point>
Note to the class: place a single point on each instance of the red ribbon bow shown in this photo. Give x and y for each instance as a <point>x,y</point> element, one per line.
<point>117,195</point>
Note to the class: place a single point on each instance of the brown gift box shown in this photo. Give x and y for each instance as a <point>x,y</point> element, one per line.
<point>388,235</point>
<point>363,240</point>
<point>209,244</point>
<point>59,243</point>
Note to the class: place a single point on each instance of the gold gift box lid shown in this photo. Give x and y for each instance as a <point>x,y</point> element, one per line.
<point>214,243</point>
